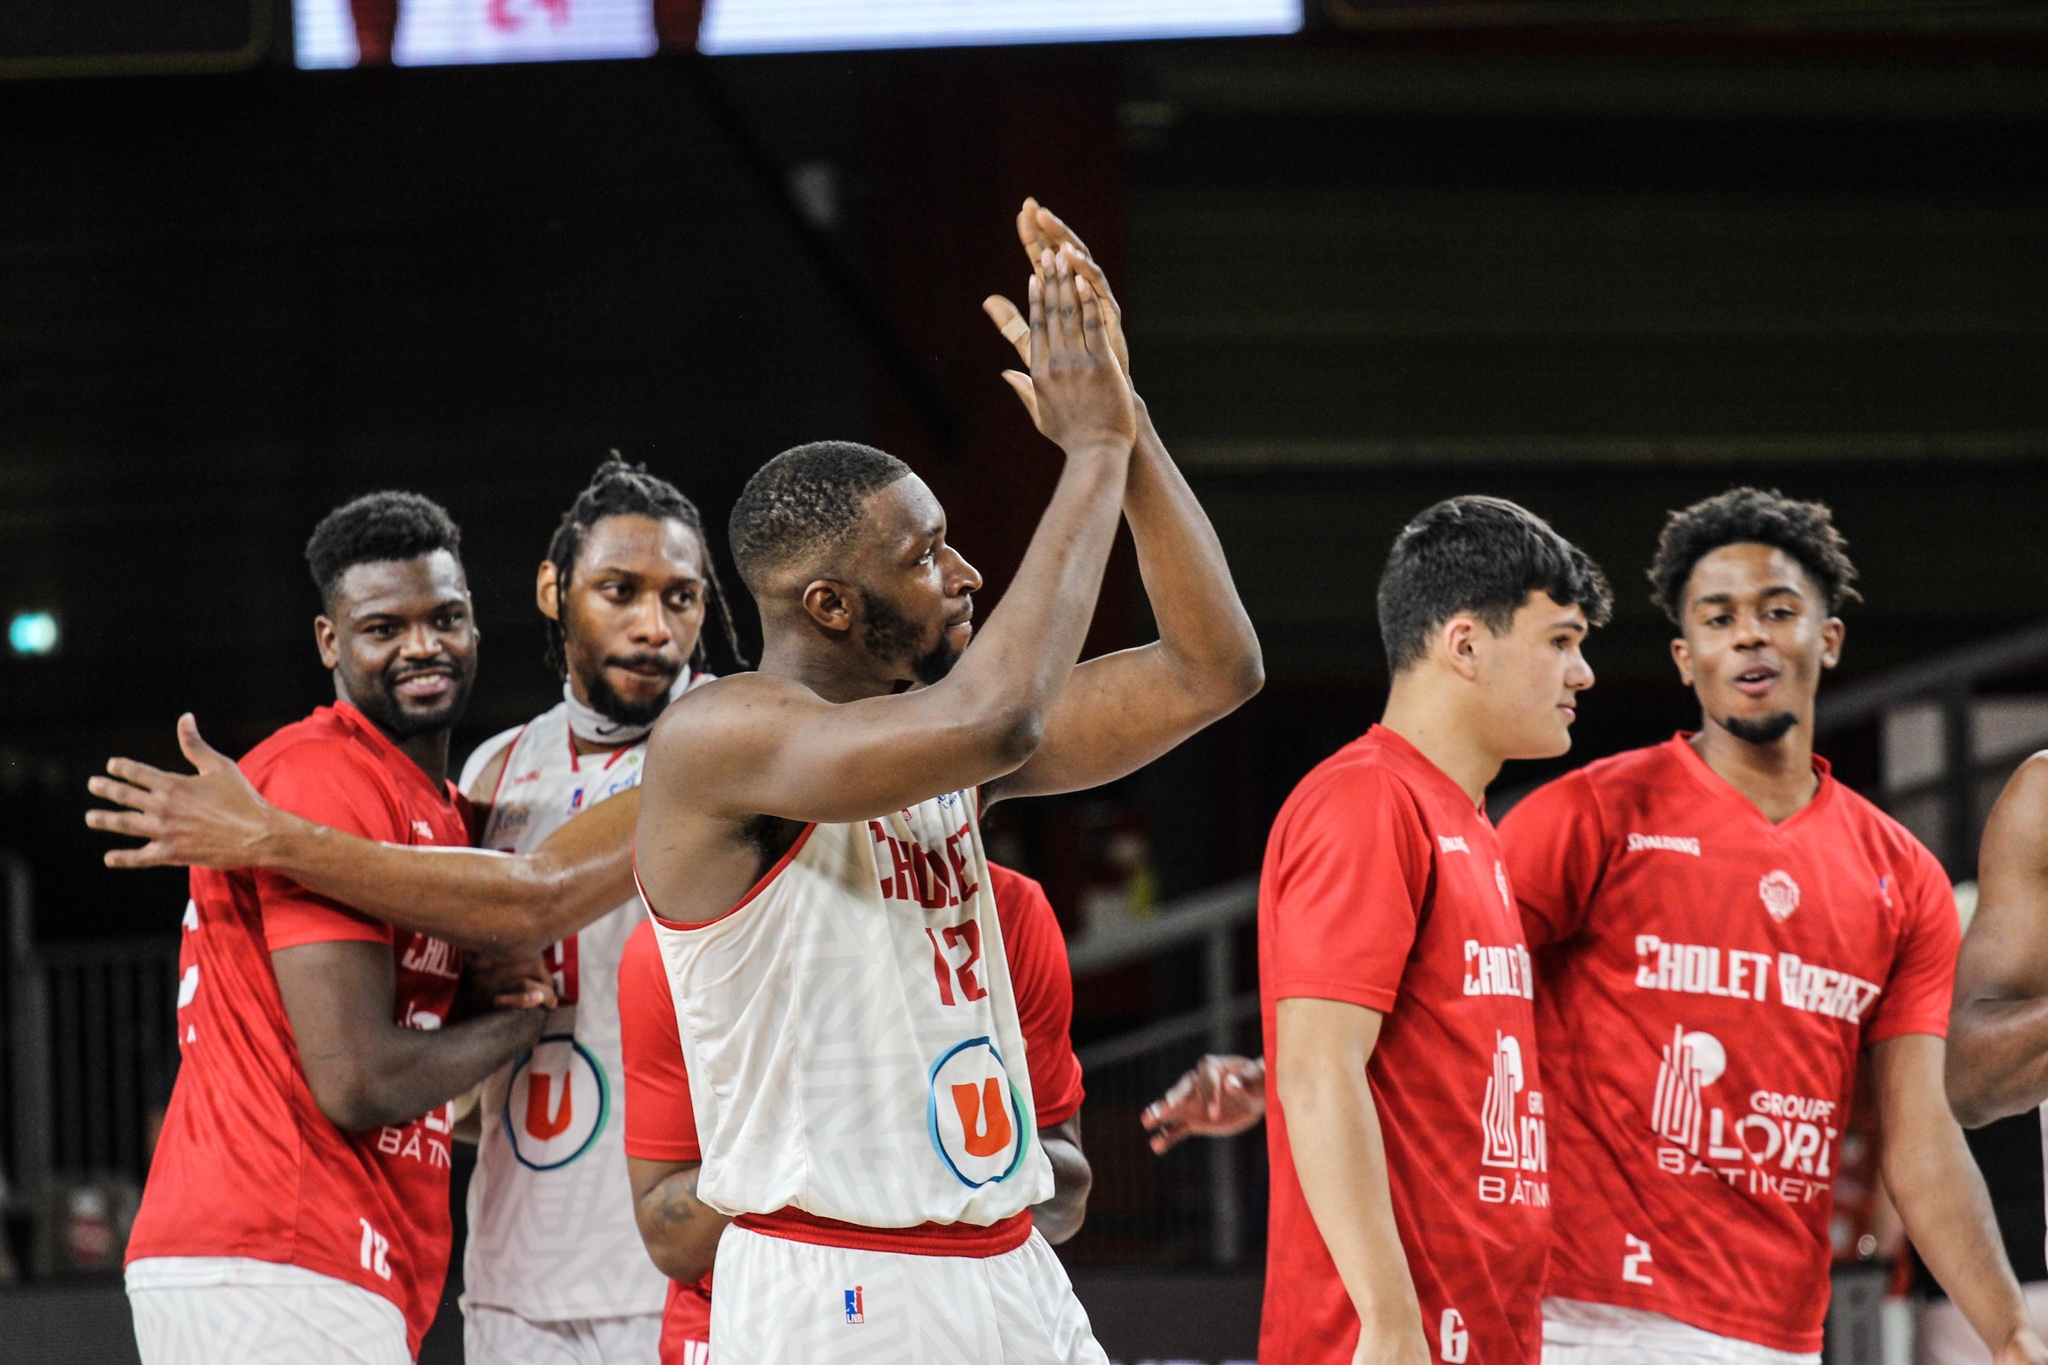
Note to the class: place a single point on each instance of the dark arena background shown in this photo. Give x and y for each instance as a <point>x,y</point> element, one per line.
<point>1603,257</point>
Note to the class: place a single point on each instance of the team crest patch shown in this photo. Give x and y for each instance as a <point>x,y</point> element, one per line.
<point>1780,893</point>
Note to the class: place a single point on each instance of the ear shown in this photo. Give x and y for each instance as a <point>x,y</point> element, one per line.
<point>1459,640</point>
<point>1681,654</point>
<point>1831,641</point>
<point>326,640</point>
<point>830,604</point>
<point>546,586</point>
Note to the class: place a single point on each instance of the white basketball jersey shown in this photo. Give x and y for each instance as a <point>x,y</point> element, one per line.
<point>551,1231</point>
<point>851,1032</point>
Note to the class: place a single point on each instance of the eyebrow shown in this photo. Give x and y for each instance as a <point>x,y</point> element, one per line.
<point>619,571</point>
<point>1723,598</point>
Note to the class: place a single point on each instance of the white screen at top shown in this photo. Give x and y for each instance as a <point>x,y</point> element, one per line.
<point>818,25</point>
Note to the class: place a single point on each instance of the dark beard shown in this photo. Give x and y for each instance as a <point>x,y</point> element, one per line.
<point>890,636</point>
<point>606,701</point>
<point>380,703</point>
<point>1768,730</point>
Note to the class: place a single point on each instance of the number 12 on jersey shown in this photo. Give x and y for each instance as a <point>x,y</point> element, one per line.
<point>964,937</point>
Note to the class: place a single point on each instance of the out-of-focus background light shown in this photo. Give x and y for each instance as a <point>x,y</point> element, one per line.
<point>32,632</point>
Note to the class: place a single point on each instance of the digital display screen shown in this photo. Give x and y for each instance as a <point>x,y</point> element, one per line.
<point>332,33</point>
<point>820,25</point>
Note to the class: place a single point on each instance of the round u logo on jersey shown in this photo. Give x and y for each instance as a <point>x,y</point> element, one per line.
<point>557,1103</point>
<point>975,1115</point>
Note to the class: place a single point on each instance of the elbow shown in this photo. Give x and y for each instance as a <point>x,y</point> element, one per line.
<point>349,1103</point>
<point>1016,737</point>
<point>1248,678</point>
<point>684,1265</point>
<point>1968,1097</point>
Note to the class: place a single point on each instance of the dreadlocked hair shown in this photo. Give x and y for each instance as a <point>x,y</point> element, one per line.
<point>619,489</point>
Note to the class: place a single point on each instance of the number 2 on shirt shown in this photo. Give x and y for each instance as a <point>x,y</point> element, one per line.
<point>967,932</point>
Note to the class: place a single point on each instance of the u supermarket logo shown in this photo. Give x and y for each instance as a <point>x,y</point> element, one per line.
<point>975,1115</point>
<point>557,1103</point>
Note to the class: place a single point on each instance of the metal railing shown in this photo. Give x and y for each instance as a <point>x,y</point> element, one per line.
<point>1125,1072</point>
<point>90,1038</point>
<point>1953,680</point>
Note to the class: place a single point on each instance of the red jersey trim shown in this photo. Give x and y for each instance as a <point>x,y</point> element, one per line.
<point>926,1239</point>
<point>770,875</point>
<point>1343,992</point>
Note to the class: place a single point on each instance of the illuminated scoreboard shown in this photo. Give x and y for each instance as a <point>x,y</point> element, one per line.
<point>445,32</point>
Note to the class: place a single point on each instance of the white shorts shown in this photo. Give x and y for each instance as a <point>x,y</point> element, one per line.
<point>203,1310</point>
<point>494,1336</point>
<point>1580,1333</point>
<point>1944,1336</point>
<point>780,1302</point>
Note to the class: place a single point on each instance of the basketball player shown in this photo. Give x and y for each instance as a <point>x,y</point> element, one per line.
<point>1998,1037</point>
<point>1410,1205</point>
<point>1725,929</point>
<point>809,844</point>
<point>554,1268</point>
<point>661,1127</point>
<point>297,1206</point>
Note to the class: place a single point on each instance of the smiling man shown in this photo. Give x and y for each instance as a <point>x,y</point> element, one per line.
<point>1722,929</point>
<point>297,1205</point>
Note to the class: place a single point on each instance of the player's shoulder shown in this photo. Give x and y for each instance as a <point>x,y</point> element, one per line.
<point>1870,822</point>
<point>488,759</point>
<point>1020,900</point>
<point>319,747</point>
<point>1633,778</point>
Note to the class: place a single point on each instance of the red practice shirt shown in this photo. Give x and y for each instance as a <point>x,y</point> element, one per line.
<point>247,1164</point>
<point>662,1126</point>
<point>1384,887</point>
<point>1708,979</point>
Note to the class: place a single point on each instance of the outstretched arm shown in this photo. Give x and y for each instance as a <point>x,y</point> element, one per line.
<point>1998,1031</point>
<point>1060,1217</point>
<point>473,898</point>
<point>1934,1182</point>
<point>1123,710</point>
<point>366,1070</point>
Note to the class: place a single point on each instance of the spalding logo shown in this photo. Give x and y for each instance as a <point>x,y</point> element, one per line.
<point>975,1115</point>
<point>1780,893</point>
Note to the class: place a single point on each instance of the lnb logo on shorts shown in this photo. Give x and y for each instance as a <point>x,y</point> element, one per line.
<point>856,1310</point>
<point>1780,893</point>
<point>557,1103</point>
<point>975,1115</point>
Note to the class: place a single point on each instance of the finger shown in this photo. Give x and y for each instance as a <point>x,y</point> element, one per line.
<point>1041,346</point>
<point>201,755</point>
<point>1066,312</point>
<point>1021,385</point>
<point>124,822</point>
<point>107,789</point>
<point>1092,332</point>
<point>1054,231</point>
<point>1028,231</point>
<point>1010,322</point>
<point>1166,1139</point>
<point>141,774</point>
<point>146,856</point>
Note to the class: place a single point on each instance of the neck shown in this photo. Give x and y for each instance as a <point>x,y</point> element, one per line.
<point>1426,711</point>
<point>428,749</point>
<point>1777,778</point>
<point>822,669</point>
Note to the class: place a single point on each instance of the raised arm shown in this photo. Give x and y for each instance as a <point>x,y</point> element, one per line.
<point>1123,710</point>
<point>473,898</point>
<point>1998,1031</point>
<point>765,744</point>
<point>364,1069</point>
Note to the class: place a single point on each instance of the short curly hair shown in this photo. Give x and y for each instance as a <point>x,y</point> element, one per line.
<point>1752,516</point>
<point>374,528</point>
<point>803,503</point>
<point>1482,555</point>
<point>619,489</point>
